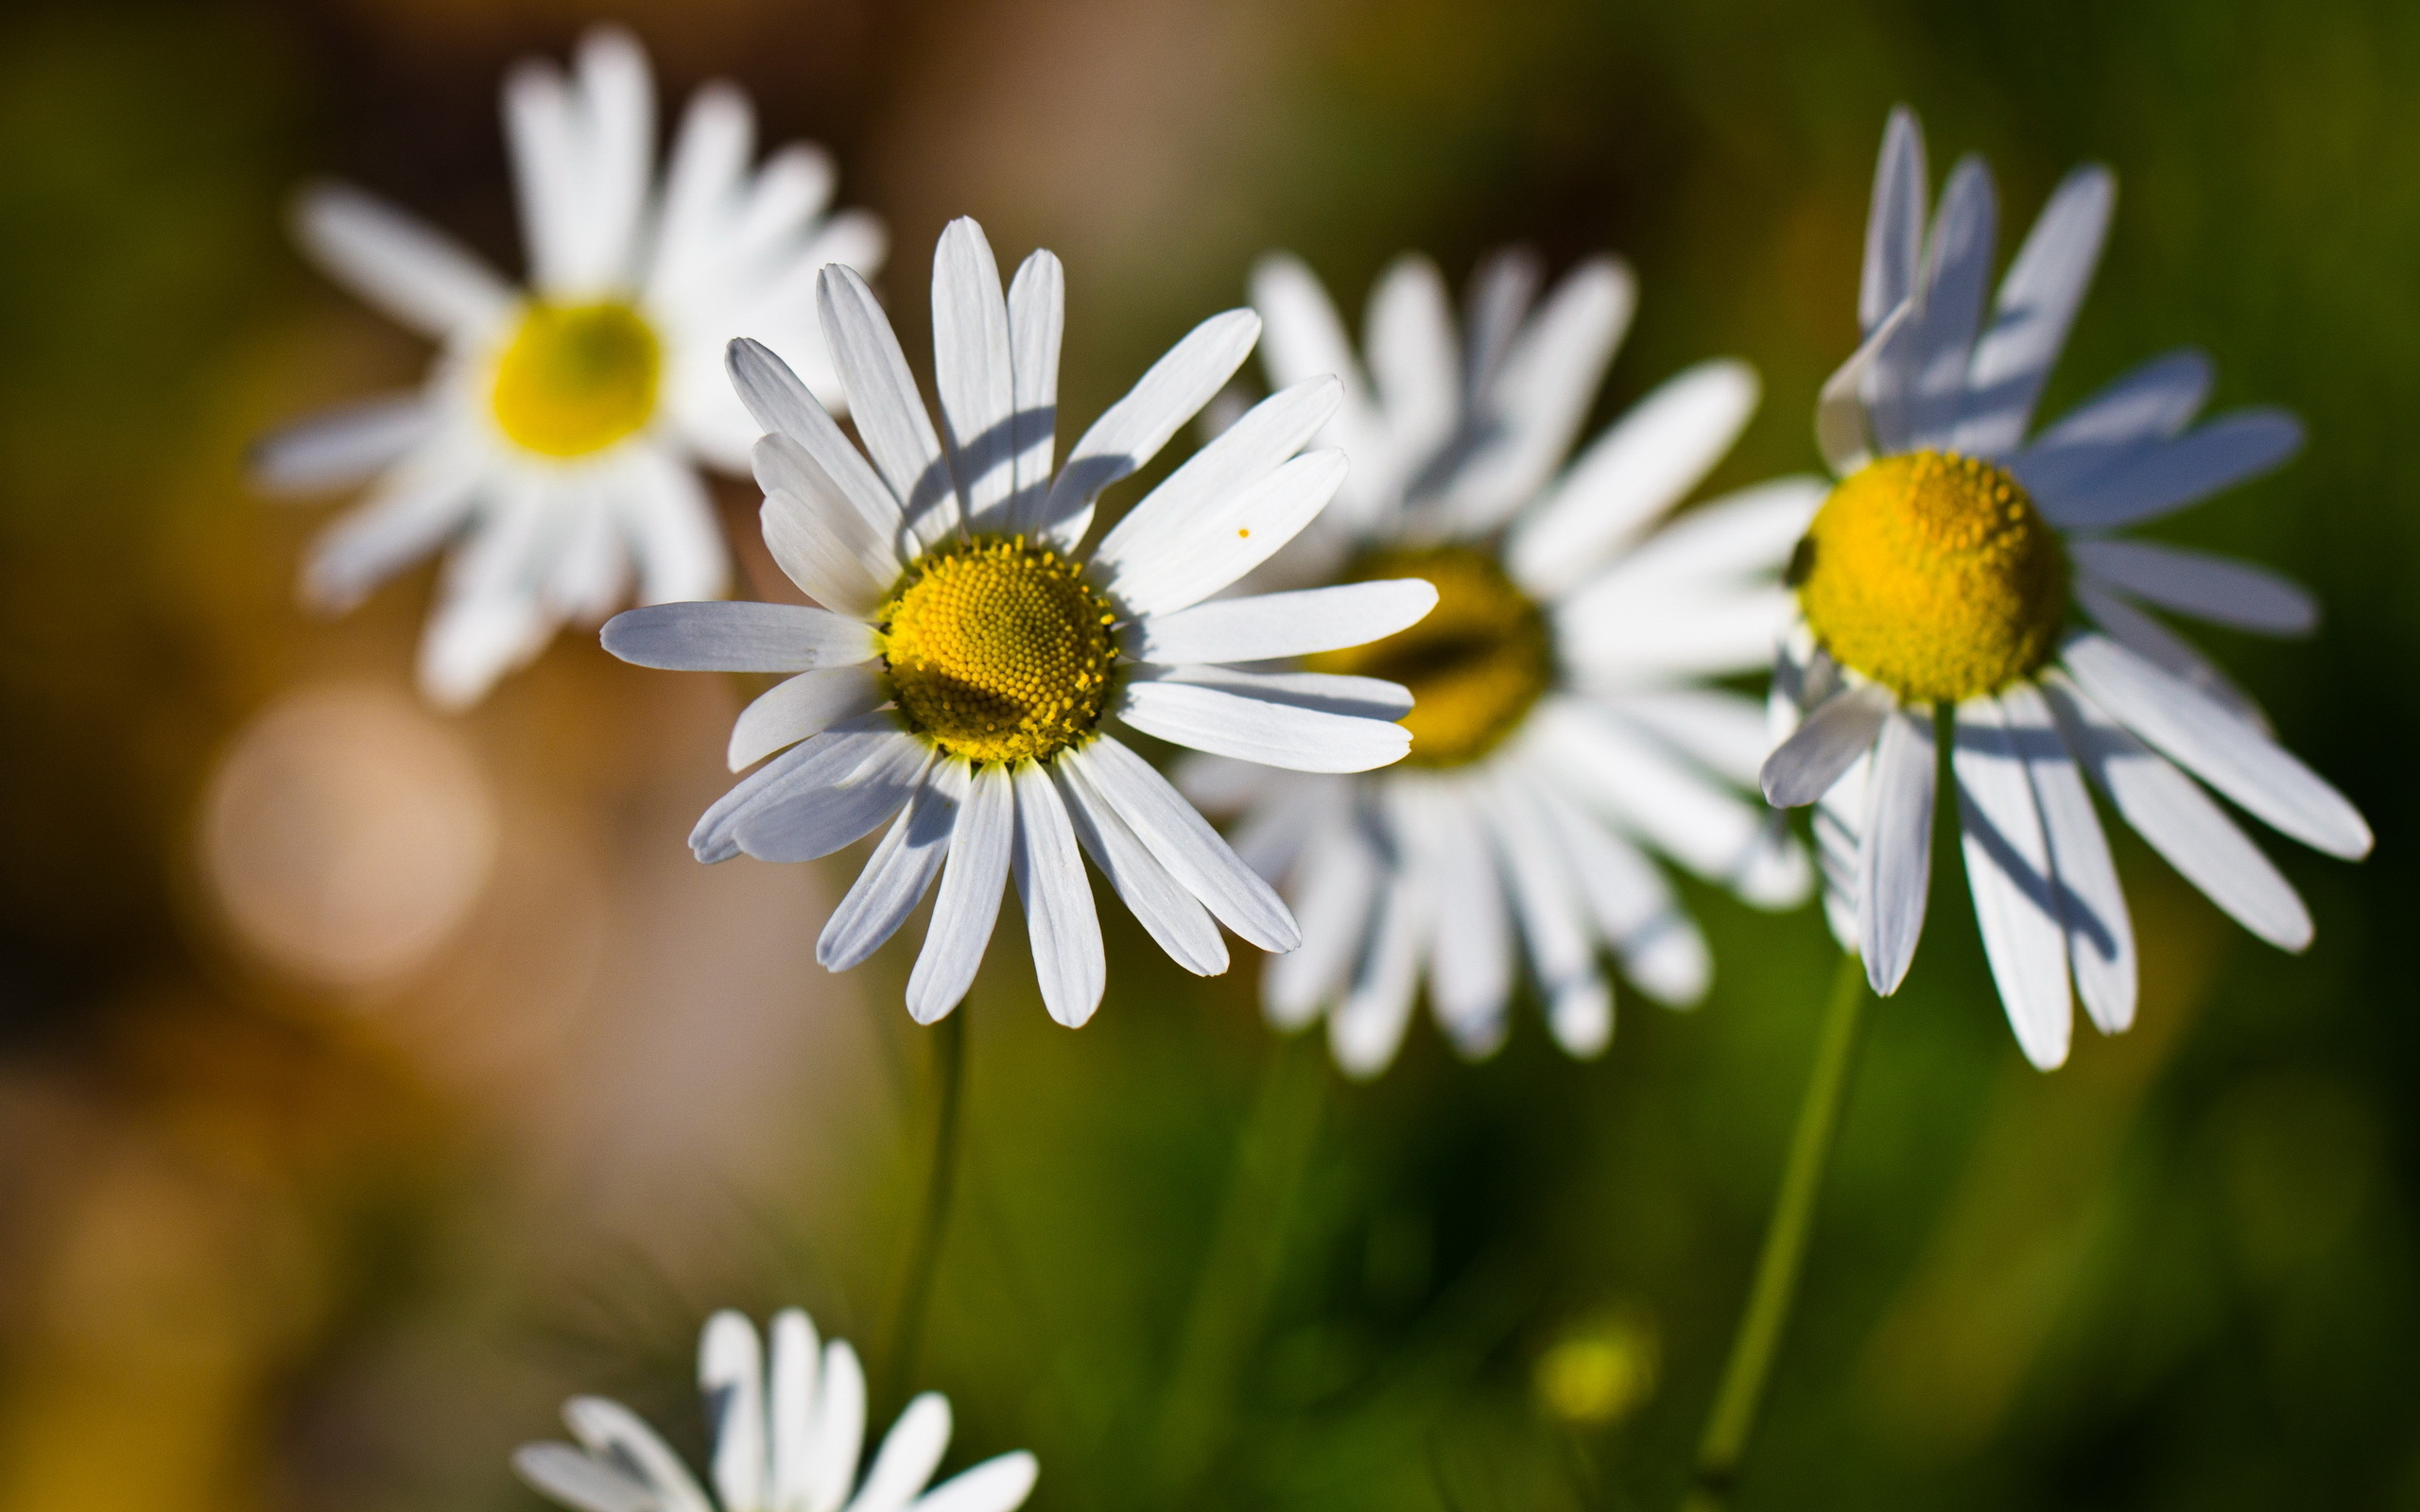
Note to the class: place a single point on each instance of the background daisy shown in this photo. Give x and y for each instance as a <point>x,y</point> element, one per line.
<point>1562,723</point>
<point>1962,568</point>
<point>552,452</point>
<point>969,655</point>
<point>786,1440</point>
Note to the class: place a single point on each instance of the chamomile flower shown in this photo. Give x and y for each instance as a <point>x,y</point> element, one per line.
<point>786,1440</point>
<point>962,676</point>
<point>552,452</point>
<point>1965,581</point>
<point>1563,723</point>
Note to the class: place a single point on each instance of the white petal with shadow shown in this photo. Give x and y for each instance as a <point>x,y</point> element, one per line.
<point>964,911</point>
<point>1057,898</point>
<point>2014,887</point>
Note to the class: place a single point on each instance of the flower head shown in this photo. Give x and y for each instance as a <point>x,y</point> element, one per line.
<point>962,677</point>
<point>1561,725</point>
<point>1961,566</point>
<point>553,450</point>
<point>786,1440</point>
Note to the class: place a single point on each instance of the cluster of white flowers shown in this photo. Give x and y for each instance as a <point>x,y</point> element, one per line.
<point>1492,684</point>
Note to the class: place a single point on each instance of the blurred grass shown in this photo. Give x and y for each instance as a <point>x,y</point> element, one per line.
<point>2179,1272</point>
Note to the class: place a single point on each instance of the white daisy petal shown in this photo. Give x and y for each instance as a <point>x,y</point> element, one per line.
<point>1724,731</point>
<point>1333,897</point>
<point>889,412</point>
<point>964,911</point>
<point>783,404</point>
<point>411,512</point>
<point>1000,1483</point>
<point>840,1430</point>
<point>614,1433</point>
<point>1615,639</point>
<point>1271,837</point>
<point>731,1372</point>
<point>1628,775</point>
<point>1328,693</point>
<point>549,172</point>
<point>417,274</point>
<point>1803,767</point>
<point>1282,624</point>
<point>337,448</point>
<point>818,762</point>
<point>2092,905</point>
<point>791,1406</point>
<point>2159,480</point>
<point>1222,785</point>
<point>619,107</point>
<point>1225,500</point>
<point>865,530</point>
<point>2144,635</point>
<point>973,373</point>
<point>2038,303</point>
<point>490,616</point>
<point>913,1448</point>
<point>824,550</point>
<point>1739,534</point>
<point>673,531</point>
<point>2211,588</point>
<point>1132,430</point>
<point>2016,891</point>
<point>1553,920</point>
<point>803,826</point>
<point>801,706</point>
<point>1306,339</point>
<point>1958,273</point>
<point>1172,915</point>
<point>2154,403</point>
<point>1845,425</point>
<point>1503,286</point>
<point>2170,810</point>
<point>708,162</point>
<point>721,635</point>
<point>894,879</point>
<point>1629,476</point>
<point>1632,904</point>
<point>1366,1027</point>
<point>1895,226</point>
<point>1186,844</point>
<point>1895,856</point>
<point>1543,390</point>
<point>1259,730</point>
<point>1061,925</point>
<point>2215,746</point>
<point>1471,956</point>
<point>565,1474</point>
<point>1037,315</point>
<point>1414,360</point>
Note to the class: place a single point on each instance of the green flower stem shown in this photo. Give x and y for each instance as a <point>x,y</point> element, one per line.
<point>941,1187</point>
<point>1240,1268</point>
<point>1767,1319</point>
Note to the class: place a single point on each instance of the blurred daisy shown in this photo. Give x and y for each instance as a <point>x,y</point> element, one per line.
<point>1563,725</point>
<point>969,657</point>
<point>1962,578</point>
<point>785,1441</point>
<point>553,450</point>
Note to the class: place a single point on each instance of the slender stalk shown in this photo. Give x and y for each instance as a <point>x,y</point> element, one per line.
<point>1778,1267</point>
<point>1240,1268</point>
<point>941,1187</point>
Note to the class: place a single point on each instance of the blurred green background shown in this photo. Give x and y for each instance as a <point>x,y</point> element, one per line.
<point>308,1206</point>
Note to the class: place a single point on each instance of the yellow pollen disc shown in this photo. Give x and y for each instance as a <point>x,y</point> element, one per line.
<point>1933,574</point>
<point>577,378</point>
<point>1474,665</point>
<point>998,651</point>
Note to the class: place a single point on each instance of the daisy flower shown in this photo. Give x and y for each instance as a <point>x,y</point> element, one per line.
<point>553,450</point>
<point>969,657</point>
<point>1563,723</point>
<point>785,1441</point>
<point>1963,583</point>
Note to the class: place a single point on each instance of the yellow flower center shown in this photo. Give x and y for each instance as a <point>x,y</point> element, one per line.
<point>998,651</point>
<point>1474,665</point>
<point>1933,574</point>
<point>577,378</point>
